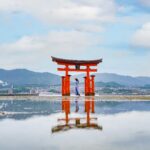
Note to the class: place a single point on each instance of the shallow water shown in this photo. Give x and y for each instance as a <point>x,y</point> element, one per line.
<point>27,125</point>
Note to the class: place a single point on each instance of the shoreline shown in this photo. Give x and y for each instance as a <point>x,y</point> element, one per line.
<point>59,97</point>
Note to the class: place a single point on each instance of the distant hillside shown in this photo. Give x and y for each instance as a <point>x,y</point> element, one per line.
<point>120,79</point>
<point>26,77</point>
<point>108,84</point>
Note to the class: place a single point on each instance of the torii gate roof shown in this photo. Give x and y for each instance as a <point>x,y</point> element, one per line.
<point>76,62</point>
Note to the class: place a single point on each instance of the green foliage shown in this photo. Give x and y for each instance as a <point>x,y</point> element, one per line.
<point>108,84</point>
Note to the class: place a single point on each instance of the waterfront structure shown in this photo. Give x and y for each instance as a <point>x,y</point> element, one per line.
<point>78,66</point>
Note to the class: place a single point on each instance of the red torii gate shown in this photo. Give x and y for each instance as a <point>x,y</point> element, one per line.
<point>75,65</point>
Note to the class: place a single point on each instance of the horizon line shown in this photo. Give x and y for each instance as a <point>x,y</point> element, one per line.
<point>73,73</point>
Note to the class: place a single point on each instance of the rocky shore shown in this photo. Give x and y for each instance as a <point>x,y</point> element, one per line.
<point>2,114</point>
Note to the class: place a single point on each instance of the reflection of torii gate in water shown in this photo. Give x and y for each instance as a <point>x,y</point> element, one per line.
<point>75,65</point>
<point>77,122</point>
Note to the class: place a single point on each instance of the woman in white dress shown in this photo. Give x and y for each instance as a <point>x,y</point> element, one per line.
<point>77,87</point>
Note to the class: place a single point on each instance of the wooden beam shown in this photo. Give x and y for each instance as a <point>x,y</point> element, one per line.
<point>77,64</point>
<point>81,70</point>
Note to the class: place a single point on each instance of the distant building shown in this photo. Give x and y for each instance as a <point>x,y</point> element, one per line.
<point>34,91</point>
<point>10,90</point>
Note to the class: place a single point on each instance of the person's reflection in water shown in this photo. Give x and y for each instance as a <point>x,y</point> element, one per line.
<point>77,105</point>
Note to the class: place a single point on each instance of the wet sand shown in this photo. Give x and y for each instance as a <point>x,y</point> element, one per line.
<point>97,97</point>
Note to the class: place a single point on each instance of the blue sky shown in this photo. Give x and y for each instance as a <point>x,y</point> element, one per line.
<point>116,30</point>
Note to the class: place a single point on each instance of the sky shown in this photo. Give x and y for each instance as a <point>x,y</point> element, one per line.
<point>31,31</point>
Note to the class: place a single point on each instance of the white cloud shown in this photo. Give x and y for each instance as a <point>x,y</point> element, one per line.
<point>1,82</point>
<point>90,28</point>
<point>56,41</point>
<point>63,11</point>
<point>34,52</point>
<point>145,2</point>
<point>142,36</point>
